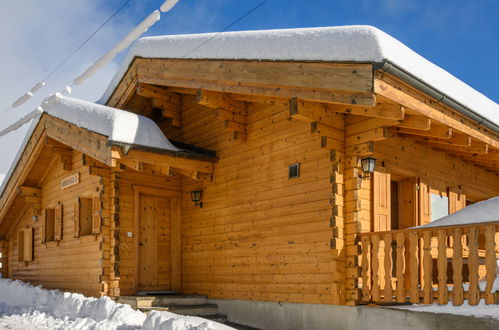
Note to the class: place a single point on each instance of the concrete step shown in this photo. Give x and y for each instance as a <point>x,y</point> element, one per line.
<point>179,300</point>
<point>193,310</point>
<point>162,300</point>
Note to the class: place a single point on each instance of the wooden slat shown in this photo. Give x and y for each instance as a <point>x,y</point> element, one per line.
<point>490,263</point>
<point>442,267</point>
<point>400,271</point>
<point>413,267</point>
<point>388,294</point>
<point>58,222</point>
<point>427,268</point>
<point>96,214</point>
<point>376,294</point>
<point>76,217</point>
<point>457,268</point>
<point>474,290</point>
<point>365,268</point>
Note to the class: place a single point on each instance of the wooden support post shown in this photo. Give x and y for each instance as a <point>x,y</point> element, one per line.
<point>490,263</point>
<point>473,262</point>
<point>442,268</point>
<point>457,267</point>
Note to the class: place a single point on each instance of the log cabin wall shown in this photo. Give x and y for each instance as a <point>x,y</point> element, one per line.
<point>259,235</point>
<point>73,263</point>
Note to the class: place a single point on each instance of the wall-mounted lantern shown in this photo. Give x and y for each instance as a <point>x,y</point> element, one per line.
<point>196,198</point>
<point>368,165</point>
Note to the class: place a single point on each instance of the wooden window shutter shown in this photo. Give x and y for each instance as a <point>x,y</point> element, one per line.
<point>408,203</point>
<point>381,201</point>
<point>28,244</point>
<point>20,245</point>
<point>457,201</point>
<point>424,203</point>
<point>96,214</point>
<point>76,217</point>
<point>44,226</point>
<point>58,222</point>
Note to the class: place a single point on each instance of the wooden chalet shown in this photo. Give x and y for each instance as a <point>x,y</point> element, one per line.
<point>273,135</point>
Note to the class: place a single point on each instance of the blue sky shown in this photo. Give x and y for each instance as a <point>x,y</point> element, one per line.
<point>461,36</point>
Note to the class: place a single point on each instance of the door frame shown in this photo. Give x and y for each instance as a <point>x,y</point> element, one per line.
<point>175,233</point>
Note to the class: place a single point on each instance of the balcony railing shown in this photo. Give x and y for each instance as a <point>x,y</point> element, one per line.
<point>420,265</point>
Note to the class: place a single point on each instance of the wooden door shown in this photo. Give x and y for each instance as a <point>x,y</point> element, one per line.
<point>381,201</point>
<point>154,243</point>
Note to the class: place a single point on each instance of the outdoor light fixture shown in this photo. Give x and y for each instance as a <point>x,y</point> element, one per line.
<point>196,197</point>
<point>368,165</point>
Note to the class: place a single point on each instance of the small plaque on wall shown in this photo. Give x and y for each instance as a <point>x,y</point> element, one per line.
<point>70,181</point>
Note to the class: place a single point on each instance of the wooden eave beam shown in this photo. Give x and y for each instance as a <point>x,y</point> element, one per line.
<point>27,191</point>
<point>217,100</point>
<point>415,122</point>
<point>157,93</point>
<point>456,139</point>
<point>340,83</point>
<point>441,132</point>
<point>480,150</point>
<point>137,156</point>
<point>377,134</point>
<point>406,96</point>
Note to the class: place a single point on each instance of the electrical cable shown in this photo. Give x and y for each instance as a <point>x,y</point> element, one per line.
<point>78,48</point>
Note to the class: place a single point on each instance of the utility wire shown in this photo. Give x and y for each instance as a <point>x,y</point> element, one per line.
<point>78,48</point>
<point>227,27</point>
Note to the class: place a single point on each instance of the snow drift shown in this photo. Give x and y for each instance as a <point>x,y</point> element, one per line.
<point>63,310</point>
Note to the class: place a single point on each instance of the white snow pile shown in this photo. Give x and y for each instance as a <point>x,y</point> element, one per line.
<point>2,177</point>
<point>480,310</point>
<point>23,306</point>
<point>329,44</point>
<point>118,125</point>
<point>481,212</point>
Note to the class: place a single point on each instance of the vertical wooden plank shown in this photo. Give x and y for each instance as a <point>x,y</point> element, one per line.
<point>365,268</point>
<point>375,265</point>
<point>58,222</point>
<point>76,217</point>
<point>457,267</point>
<point>457,201</point>
<point>381,201</point>
<point>424,203</point>
<point>176,247</point>
<point>442,268</point>
<point>400,291</point>
<point>44,226</point>
<point>490,263</point>
<point>20,245</point>
<point>96,214</point>
<point>414,267</point>
<point>408,203</point>
<point>427,268</point>
<point>28,244</point>
<point>388,268</point>
<point>474,290</point>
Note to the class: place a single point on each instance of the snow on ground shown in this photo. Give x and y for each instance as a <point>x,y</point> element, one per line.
<point>481,310</point>
<point>23,306</point>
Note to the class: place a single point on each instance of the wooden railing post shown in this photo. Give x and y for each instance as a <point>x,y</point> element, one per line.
<point>427,268</point>
<point>490,263</point>
<point>375,266</point>
<point>414,267</point>
<point>473,262</point>
<point>388,268</point>
<point>400,291</point>
<point>442,267</point>
<point>457,267</point>
<point>366,296</point>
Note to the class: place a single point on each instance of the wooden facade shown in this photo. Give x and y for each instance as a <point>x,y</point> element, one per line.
<point>259,235</point>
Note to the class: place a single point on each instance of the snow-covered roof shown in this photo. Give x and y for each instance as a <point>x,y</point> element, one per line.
<point>120,126</point>
<point>482,212</point>
<point>330,44</point>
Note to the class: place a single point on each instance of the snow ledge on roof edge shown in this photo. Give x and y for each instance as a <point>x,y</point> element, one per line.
<point>328,44</point>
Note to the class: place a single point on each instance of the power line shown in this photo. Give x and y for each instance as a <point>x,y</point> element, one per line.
<point>78,48</point>
<point>227,27</point>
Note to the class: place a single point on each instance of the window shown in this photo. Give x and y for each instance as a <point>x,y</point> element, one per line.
<point>52,224</point>
<point>439,205</point>
<point>25,244</point>
<point>87,216</point>
<point>48,224</point>
<point>294,171</point>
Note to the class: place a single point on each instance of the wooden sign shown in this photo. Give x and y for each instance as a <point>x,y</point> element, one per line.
<point>70,181</point>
